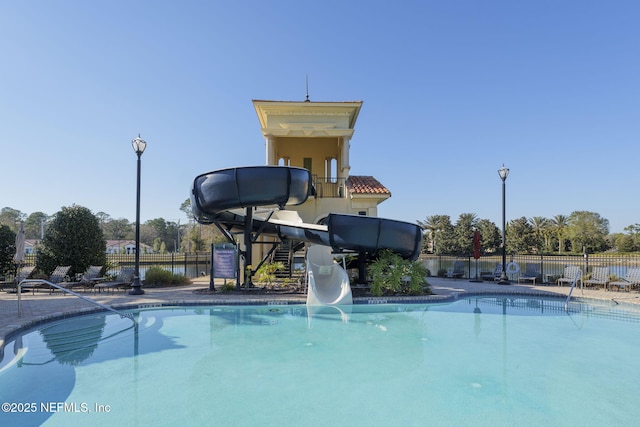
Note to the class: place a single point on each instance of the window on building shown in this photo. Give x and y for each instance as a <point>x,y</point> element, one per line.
<point>284,161</point>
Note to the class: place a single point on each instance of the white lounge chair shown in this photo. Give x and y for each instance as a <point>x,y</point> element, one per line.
<point>630,280</point>
<point>599,277</point>
<point>569,275</point>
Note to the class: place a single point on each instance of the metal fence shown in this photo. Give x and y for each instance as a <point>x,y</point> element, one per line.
<point>551,266</point>
<point>187,264</point>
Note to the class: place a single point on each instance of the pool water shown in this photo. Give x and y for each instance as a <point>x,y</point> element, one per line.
<point>479,361</point>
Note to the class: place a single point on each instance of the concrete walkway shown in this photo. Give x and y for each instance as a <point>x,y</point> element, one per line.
<point>42,306</point>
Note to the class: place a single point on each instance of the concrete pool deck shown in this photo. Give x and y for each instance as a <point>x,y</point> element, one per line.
<point>42,306</point>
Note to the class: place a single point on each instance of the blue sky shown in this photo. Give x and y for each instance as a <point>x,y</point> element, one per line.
<point>451,91</point>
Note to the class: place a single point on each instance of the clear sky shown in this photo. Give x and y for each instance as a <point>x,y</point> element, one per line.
<point>451,91</point>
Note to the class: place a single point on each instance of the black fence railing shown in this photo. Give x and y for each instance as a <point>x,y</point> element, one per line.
<point>551,266</point>
<point>188,264</point>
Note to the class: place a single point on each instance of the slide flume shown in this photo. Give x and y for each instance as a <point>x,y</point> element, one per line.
<point>228,198</point>
<point>328,282</point>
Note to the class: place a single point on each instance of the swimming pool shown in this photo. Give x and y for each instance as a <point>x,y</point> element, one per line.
<point>486,360</point>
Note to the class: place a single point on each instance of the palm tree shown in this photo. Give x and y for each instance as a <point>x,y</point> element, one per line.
<point>441,233</point>
<point>560,224</point>
<point>540,229</point>
<point>464,228</point>
<point>430,225</point>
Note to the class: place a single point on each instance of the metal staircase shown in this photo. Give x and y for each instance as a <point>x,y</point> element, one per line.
<point>286,255</point>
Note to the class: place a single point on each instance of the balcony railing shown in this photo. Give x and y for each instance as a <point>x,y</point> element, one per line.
<point>329,187</point>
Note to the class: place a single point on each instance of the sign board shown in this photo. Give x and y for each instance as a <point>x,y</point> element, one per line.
<point>224,262</point>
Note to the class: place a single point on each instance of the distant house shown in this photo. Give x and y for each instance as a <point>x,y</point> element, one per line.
<point>113,247</point>
<point>30,246</point>
<point>126,247</point>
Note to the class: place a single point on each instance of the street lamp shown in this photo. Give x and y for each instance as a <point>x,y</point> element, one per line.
<point>139,145</point>
<point>504,280</point>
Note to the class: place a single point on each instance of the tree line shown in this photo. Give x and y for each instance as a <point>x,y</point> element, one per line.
<point>77,237</point>
<point>576,233</point>
<point>162,235</point>
<point>579,232</point>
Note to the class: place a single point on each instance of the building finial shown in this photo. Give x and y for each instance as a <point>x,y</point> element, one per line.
<point>307,97</point>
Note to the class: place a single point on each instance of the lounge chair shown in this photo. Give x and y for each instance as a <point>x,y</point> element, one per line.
<point>630,280</point>
<point>122,281</point>
<point>59,276</point>
<point>495,276</point>
<point>458,270</point>
<point>87,279</point>
<point>531,272</point>
<point>22,274</point>
<point>569,275</point>
<point>599,277</point>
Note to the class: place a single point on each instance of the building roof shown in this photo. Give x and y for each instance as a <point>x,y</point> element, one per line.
<point>281,118</point>
<point>124,242</point>
<point>363,184</point>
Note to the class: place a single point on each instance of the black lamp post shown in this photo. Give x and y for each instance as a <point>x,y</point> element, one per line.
<point>504,280</point>
<point>139,145</point>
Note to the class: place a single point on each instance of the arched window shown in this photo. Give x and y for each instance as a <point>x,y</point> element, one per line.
<point>284,161</point>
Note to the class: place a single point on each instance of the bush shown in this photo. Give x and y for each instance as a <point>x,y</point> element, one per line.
<point>267,272</point>
<point>227,287</point>
<point>393,275</point>
<point>160,277</point>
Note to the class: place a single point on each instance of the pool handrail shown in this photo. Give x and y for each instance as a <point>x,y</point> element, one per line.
<point>577,276</point>
<point>69,291</point>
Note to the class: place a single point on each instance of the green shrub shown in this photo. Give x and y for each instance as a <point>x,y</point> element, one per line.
<point>267,272</point>
<point>158,276</point>
<point>227,287</point>
<point>393,275</point>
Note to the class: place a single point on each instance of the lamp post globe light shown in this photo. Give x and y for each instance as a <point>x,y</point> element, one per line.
<point>139,145</point>
<point>504,279</point>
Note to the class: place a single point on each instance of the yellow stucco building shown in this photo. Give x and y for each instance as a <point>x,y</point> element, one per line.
<point>317,136</point>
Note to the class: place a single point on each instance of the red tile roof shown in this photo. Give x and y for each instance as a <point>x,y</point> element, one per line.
<point>362,184</point>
